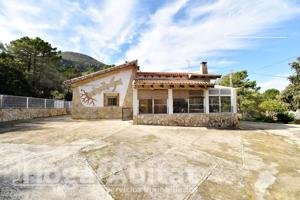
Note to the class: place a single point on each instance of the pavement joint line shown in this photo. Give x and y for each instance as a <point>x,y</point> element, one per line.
<point>194,141</point>
<point>98,178</point>
<point>117,131</point>
<point>194,190</point>
<point>137,163</point>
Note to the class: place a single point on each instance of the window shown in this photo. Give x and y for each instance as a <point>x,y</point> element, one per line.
<point>145,106</point>
<point>196,105</point>
<point>153,101</point>
<point>196,101</point>
<point>220,100</point>
<point>188,101</point>
<point>160,106</point>
<point>112,101</point>
<point>149,106</point>
<point>180,105</point>
<point>214,104</point>
<point>225,104</point>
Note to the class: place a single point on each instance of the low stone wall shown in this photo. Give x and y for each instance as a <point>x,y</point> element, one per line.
<point>23,113</point>
<point>113,112</point>
<point>216,120</point>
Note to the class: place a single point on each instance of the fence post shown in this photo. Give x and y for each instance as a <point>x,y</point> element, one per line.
<point>45,103</point>
<point>27,102</point>
<point>1,101</point>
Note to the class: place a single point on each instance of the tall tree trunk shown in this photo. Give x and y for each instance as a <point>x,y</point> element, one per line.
<point>34,71</point>
<point>29,64</point>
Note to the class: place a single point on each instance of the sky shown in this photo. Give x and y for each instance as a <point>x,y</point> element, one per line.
<point>260,36</point>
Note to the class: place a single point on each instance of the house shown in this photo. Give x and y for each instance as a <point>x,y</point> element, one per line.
<point>156,98</point>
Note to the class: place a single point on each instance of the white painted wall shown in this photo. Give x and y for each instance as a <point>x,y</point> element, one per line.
<point>135,101</point>
<point>121,89</point>
<point>170,101</point>
<point>206,101</point>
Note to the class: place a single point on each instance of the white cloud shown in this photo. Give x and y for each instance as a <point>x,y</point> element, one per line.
<point>112,27</point>
<point>205,31</point>
<point>159,42</point>
<point>29,18</point>
<point>97,29</point>
<point>276,82</point>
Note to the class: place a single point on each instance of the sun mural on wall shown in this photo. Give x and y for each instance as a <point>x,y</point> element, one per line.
<point>87,98</point>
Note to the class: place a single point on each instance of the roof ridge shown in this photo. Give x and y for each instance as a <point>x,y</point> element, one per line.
<point>102,71</point>
<point>185,73</point>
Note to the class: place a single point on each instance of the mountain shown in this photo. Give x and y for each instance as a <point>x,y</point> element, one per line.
<point>81,62</point>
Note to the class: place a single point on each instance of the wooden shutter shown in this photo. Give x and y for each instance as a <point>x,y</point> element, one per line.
<point>152,94</point>
<point>181,94</point>
<point>145,94</point>
<point>196,93</point>
<point>160,94</point>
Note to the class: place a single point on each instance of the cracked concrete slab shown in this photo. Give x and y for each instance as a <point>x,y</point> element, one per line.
<point>61,158</point>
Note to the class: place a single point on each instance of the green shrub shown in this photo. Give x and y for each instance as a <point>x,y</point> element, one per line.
<point>268,119</point>
<point>285,117</point>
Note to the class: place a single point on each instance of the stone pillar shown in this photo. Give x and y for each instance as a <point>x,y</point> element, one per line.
<point>206,101</point>
<point>135,102</point>
<point>170,101</point>
<point>233,100</point>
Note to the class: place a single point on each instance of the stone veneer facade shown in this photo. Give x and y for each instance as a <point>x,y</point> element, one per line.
<point>24,113</point>
<point>216,120</point>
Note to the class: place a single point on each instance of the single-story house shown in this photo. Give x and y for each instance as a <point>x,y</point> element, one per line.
<point>156,98</point>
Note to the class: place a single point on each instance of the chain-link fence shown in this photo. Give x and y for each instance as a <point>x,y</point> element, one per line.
<point>9,101</point>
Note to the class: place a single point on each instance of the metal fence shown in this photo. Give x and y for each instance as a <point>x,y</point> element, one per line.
<point>10,101</point>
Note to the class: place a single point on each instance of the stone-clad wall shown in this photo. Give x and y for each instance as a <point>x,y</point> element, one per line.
<point>23,113</point>
<point>217,120</point>
<point>112,112</point>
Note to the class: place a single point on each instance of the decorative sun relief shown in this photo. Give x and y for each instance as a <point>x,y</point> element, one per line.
<point>87,98</point>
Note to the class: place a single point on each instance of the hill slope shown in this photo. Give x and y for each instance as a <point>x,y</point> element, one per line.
<point>80,61</point>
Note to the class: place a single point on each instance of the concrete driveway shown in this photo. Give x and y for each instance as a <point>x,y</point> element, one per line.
<point>61,158</point>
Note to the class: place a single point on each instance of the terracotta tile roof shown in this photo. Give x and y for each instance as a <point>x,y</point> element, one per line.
<point>91,75</point>
<point>177,74</point>
<point>171,82</point>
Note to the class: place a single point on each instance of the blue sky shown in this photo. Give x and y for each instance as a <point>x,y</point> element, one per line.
<point>258,35</point>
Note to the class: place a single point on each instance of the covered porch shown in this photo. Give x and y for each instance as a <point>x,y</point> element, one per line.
<point>184,103</point>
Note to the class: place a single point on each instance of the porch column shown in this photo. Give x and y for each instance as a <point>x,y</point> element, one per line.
<point>135,102</point>
<point>170,101</point>
<point>233,100</point>
<point>206,101</point>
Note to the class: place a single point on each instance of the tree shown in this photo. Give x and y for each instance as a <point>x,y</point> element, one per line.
<point>271,94</point>
<point>239,80</point>
<point>291,94</point>
<point>39,61</point>
<point>272,107</point>
<point>13,80</point>
<point>2,48</point>
<point>248,96</point>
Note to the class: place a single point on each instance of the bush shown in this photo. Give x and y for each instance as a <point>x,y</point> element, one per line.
<point>285,117</point>
<point>268,119</point>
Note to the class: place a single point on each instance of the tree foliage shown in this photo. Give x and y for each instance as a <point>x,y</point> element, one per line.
<point>32,67</point>
<point>248,95</point>
<point>291,94</point>
<point>273,106</point>
<point>39,62</point>
<point>13,80</point>
<point>2,48</point>
<point>271,94</point>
